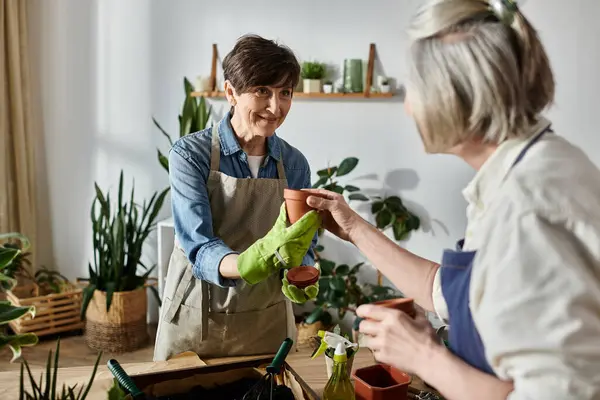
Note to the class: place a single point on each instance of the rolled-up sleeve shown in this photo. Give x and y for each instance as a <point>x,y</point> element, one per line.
<point>536,305</point>
<point>192,217</point>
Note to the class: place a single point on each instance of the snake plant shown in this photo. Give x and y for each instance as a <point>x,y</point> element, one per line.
<point>119,233</point>
<point>8,312</point>
<point>48,390</point>
<point>193,118</point>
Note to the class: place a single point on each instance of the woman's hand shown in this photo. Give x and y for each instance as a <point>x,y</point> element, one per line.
<point>397,339</point>
<point>338,217</point>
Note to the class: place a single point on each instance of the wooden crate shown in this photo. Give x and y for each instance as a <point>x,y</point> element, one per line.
<point>54,313</point>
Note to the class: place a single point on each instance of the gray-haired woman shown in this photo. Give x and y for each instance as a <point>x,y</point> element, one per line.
<point>522,291</point>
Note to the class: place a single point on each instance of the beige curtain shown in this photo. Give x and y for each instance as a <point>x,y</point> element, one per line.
<point>17,139</point>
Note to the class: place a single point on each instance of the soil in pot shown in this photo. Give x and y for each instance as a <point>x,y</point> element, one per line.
<point>303,276</point>
<point>295,204</point>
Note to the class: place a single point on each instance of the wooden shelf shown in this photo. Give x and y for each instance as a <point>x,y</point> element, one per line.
<point>302,95</point>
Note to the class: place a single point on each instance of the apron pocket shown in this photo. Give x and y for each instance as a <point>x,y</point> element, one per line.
<point>251,332</point>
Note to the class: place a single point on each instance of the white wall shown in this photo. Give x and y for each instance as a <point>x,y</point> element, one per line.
<point>107,66</point>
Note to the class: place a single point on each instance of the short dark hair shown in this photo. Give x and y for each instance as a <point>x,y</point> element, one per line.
<point>256,61</point>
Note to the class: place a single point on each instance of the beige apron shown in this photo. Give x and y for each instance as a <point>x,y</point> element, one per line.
<point>242,320</point>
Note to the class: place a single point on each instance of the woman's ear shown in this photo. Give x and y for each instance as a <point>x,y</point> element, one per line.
<point>230,93</point>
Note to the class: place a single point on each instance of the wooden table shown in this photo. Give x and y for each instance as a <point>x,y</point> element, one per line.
<point>312,371</point>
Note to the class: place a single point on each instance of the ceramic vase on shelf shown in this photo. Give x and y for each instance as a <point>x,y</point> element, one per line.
<point>312,85</point>
<point>353,76</point>
<point>202,84</point>
<point>384,88</point>
<point>328,87</point>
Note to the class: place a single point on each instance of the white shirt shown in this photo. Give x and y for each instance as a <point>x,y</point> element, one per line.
<point>254,162</point>
<point>535,284</point>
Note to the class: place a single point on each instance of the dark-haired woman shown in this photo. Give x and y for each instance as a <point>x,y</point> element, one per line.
<point>223,293</point>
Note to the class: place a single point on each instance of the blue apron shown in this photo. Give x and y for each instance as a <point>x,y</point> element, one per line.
<point>464,340</point>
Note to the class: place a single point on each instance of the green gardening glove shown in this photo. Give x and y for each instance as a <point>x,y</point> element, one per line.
<point>297,295</point>
<point>290,243</point>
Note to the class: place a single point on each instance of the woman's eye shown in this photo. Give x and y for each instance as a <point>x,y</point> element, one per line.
<point>262,91</point>
<point>286,92</point>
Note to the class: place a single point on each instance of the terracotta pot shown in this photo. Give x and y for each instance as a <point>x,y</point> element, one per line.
<point>295,204</point>
<point>303,276</point>
<point>381,382</point>
<point>403,304</point>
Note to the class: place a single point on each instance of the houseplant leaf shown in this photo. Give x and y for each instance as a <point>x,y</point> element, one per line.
<point>347,166</point>
<point>399,229</point>
<point>337,283</point>
<point>8,312</point>
<point>376,207</point>
<point>163,160</point>
<point>87,294</point>
<point>327,267</point>
<point>327,172</point>
<point>394,203</point>
<point>342,270</point>
<point>358,196</point>
<point>320,182</point>
<point>165,134</point>
<point>16,342</point>
<point>351,188</point>
<point>383,218</point>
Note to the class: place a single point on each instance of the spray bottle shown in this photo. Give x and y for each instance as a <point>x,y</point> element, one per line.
<point>339,386</point>
<point>329,343</point>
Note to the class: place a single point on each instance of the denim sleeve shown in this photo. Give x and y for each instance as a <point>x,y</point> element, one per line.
<point>192,217</point>
<point>309,258</point>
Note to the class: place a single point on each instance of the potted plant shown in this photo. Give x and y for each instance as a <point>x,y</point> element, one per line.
<point>339,286</point>
<point>328,87</point>
<point>50,390</point>
<point>9,312</point>
<point>312,74</point>
<point>385,85</point>
<point>194,117</point>
<point>114,302</point>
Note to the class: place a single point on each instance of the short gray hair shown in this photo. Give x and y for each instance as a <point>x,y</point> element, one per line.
<point>475,74</point>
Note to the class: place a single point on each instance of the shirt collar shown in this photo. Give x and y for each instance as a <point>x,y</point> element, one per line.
<point>230,144</point>
<point>482,188</point>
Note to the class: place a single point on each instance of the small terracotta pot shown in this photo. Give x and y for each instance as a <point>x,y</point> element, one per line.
<point>303,276</point>
<point>295,204</point>
<point>381,382</point>
<point>403,304</point>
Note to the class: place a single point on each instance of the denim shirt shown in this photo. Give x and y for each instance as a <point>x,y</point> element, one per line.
<point>189,167</point>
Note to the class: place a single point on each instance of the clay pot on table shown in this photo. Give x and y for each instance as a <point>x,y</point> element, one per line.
<point>295,204</point>
<point>381,382</point>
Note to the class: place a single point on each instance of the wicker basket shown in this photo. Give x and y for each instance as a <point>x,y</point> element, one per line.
<point>54,313</point>
<point>123,328</point>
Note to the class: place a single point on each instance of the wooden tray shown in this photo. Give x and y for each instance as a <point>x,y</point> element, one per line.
<point>147,381</point>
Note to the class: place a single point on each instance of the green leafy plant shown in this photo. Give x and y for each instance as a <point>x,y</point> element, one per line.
<point>51,281</point>
<point>119,234</point>
<point>391,212</point>
<point>8,312</point>
<point>339,287</point>
<point>20,263</point>
<point>48,390</point>
<point>313,70</point>
<point>194,117</point>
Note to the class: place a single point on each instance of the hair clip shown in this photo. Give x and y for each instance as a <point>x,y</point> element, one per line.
<point>504,9</point>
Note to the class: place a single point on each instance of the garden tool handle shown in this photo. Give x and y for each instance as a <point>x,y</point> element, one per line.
<point>279,358</point>
<point>124,379</point>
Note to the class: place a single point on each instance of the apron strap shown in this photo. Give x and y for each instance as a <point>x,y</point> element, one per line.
<point>215,152</point>
<point>280,169</point>
<point>182,288</point>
